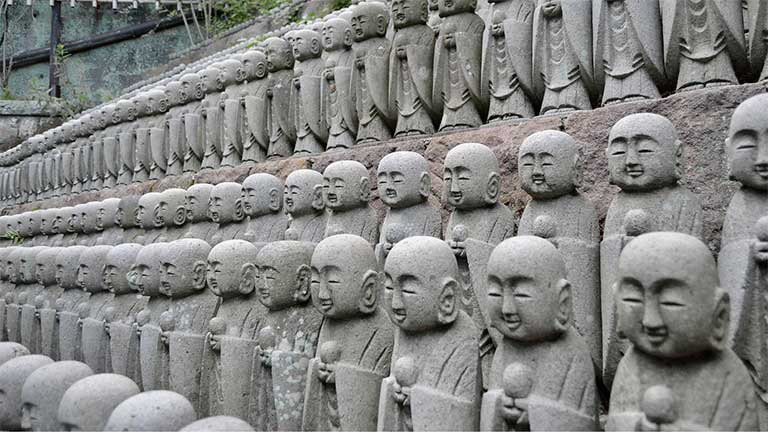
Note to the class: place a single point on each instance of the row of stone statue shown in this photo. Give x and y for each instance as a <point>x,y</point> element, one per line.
<point>302,336</point>
<point>40,394</point>
<point>342,81</point>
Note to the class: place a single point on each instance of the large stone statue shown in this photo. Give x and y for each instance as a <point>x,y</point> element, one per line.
<point>95,340</point>
<point>306,95</point>
<point>199,225</point>
<point>282,132</point>
<point>255,132</point>
<point>679,373</point>
<point>43,390</point>
<point>645,162</point>
<point>13,374</point>
<point>704,43</point>
<point>355,343</point>
<point>562,55</point>
<point>288,338</point>
<point>543,374</point>
<point>435,379</point>
<point>226,209</point>
<point>370,74</point>
<point>303,202</point>
<point>263,204</point>
<point>87,404</point>
<point>458,59</point>
<point>347,195</point>
<point>65,317</point>
<point>507,67</point>
<point>337,92</point>
<point>410,69</point>
<point>629,62</point>
<point>549,164</point>
<point>226,381</point>
<point>158,410</point>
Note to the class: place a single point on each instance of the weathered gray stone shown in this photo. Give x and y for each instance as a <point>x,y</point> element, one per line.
<point>303,202</point>
<point>43,390</point>
<point>282,131</point>
<point>226,209</point>
<point>218,424</point>
<point>11,350</point>
<point>13,373</point>
<point>95,339</point>
<point>125,217</point>
<point>170,214</point>
<point>306,95</point>
<point>145,218</point>
<point>111,233</point>
<point>347,195</point>
<point>192,93</point>
<point>255,107</point>
<point>87,404</point>
<point>263,204</point>
<point>338,105</point>
<point>199,225</point>
<point>45,302</point>
<point>159,410</point>
<point>68,332</point>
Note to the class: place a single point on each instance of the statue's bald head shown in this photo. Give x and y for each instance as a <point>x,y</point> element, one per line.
<point>548,164</point>
<point>471,176</point>
<point>747,144</point>
<point>346,185</point>
<point>403,179</point>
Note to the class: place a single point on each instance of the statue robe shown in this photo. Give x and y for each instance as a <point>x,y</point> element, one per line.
<point>282,132</point>
<point>339,100</point>
<point>151,346</point>
<point>126,143</point>
<point>123,337</point>
<point>212,118</point>
<point>410,78</point>
<point>490,224</point>
<point>29,324</point>
<point>96,350</point>
<point>361,221</point>
<point>756,17</point>
<point>310,227</point>
<point>255,122</point>
<point>142,160</point>
<point>70,334</point>
<point>230,231</point>
<point>194,134</point>
<point>201,230</point>
<point>306,103</point>
<point>267,228</point>
<point>232,134</point>
<point>176,140</point>
<point>370,77</point>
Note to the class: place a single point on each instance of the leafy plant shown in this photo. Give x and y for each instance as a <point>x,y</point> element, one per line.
<point>14,237</point>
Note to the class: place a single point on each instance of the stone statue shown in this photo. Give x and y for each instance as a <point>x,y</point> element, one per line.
<point>347,195</point>
<point>125,217</point>
<point>218,424</point>
<point>549,165</point>
<point>152,232</point>
<point>231,103</point>
<point>65,326</point>
<point>507,67</point>
<point>704,43</point>
<point>11,350</point>
<point>435,379</point>
<point>255,134</point>
<point>543,374</point>
<point>173,127</point>
<point>87,404</point>
<point>645,162</point>
<point>355,343</point>
<point>232,335</point>
<point>95,340</point>
<point>282,131</point>
<point>288,337</point>
<point>105,222</point>
<point>182,278</point>
<point>410,69</point>
<point>263,204</point>
<point>370,74</point>
<point>337,93</point>
<point>170,214</point>
<point>142,159</point>
<point>199,225</point>
<point>13,374</point>
<point>226,209</point>
<point>458,60</point>
<point>215,79</point>
<point>192,92</point>
<point>562,55</point>
<point>404,187</point>
<point>306,97</point>
<point>159,153</point>
<point>678,373</point>
<point>158,410</point>
<point>45,309</point>
<point>629,62</point>
<point>28,291</point>
<point>303,202</point>
<point>111,161</point>
<point>755,18</point>
<point>42,392</point>
<point>88,215</point>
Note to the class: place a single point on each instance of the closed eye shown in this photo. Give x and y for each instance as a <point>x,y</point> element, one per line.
<point>632,300</point>
<point>522,295</point>
<point>672,304</point>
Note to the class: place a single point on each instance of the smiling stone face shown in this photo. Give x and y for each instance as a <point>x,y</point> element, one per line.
<point>548,164</point>
<point>262,195</point>
<point>231,271</point>
<point>117,267</point>
<point>284,273</point>
<point>225,204</point>
<point>183,267</point>
<point>369,19</point>
<point>403,179</point>
<point>301,194</point>
<point>471,176</point>
<point>747,144</point>
<point>89,270</point>
<point>345,185</point>
<point>146,269</point>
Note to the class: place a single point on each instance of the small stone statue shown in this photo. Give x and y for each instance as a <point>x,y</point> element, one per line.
<point>13,374</point>
<point>192,91</point>
<point>199,225</point>
<point>704,43</point>
<point>754,18</point>
<point>255,133</point>
<point>226,209</point>
<point>671,309</point>
<point>303,202</point>
<point>355,343</point>
<point>288,337</point>
<point>95,340</point>
<point>125,217</point>
<point>404,187</point>
<point>458,61</point>
<point>645,162</point>
<point>410,69</point>
<point>263,204</point>
<point>170,214</point>
<point>43,390</point>
<point>88,215</point>
<point>28,287</point>
<point>508,69</point>
<point>218,424</point>
<point>562,55</point>
<point>215,80</point>
<point>152,232</point>
<point>338,104</point>
<point>87,404</point>
<point>529,301</point>
<point>629,62</point>
<point>347,195</point>
<point>549,165</point>
<point>158,410</point>
<point>173,127</point>
<point>111,234</point>
<point>282,132</point>
<point>66,328</point>
<point>436,378</point>
<point>306,96</point>
<point>46,324</point>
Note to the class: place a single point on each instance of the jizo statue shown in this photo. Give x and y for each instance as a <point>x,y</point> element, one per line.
<point>263,204</point>
<point>45,303</point>
<point>218,424</point>
<point>111,234</point>
<point>645,162</point>
<point>410,69</point>
<point>231,147</point>
<point>435,379</point>
<point>347,195</point>
<point>356,337</point>
<point>214,105</point>
<point>543,375</point>
<point>154,410</point>
<point>458,60</point>
<point>550,169</point>
<point>508,68</point>
<point>232,336</point>
<point>65,325</point>
<point>303,202</point>
<point>95,340</point>
<point>225,208</point>
<point>754,18</point>
<point>338,103</point>
<point>199,224</point>
<point>282,131</point>
<point>629,62</point>
<point>145,218</point>
<point>43,390</point>
<point>87,404</point>
<point>370,74</point>
<point>13,374</point>
<point>173,127</point>
<point>255,134</point>
<point>704,43</point>
<point>125,217</point>
<point>88,223</point>
<point>678,372</point>
<point>191,94</point>
<point>170,213</point>
<point>306,95</point>
<point>288,338</point>
<point>29,298</point>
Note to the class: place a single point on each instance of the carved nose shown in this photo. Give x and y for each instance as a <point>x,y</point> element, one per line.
<point>397,300</point>
<point>508,306</point>
<point>652,321</point>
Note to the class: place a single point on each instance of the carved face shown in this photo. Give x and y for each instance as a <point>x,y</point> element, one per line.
<point>284,274</point>
<point>403,179</point>
<point>279,56</point>
<point>73,220</point>
<point>337,33</point>
<point>306,45</point>
<point>196,203</point>
<point>45,263</point>
<point>254,65</point>
<point>107,213</point>
<point>303,193</point>
<point>227,74</point>
<point>125,216</point>
<point>547,164</point>
<point>190,88</point>
<point>452,7</point>
<point>231,271</point>
<point>146,270</point>
<point>747,144</point>
<point>183,268</point>
<point>170,210</point>
<point>470,177</point>
<point>345,186</point>
<point>67,260</point>
<point>409,12</point>
<point>367,21</point>
<point>262,195</point>
<point>643,153</point>
<point>88,217</point>
<point>145,210</point>
<point>208,79</point>
<point>90,270</point>
<point>225,203</point>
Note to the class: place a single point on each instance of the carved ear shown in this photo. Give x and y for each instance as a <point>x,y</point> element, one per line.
<point>381,25</point>
<point>424,11</point>
<point>315,46</point>
<point>721,319</point>
<point>679,150</point>
<point>365,189</point>
<point>180,216</point>
<point>425,185</point>
<point>317,198</point>
<point>578,169</point>
<point>493,189</point>
<point>729,172</point>
<point>347,41</point>
<point>198,275</point>
<point>447,309</point>
<point>275,200</point>
<point>564,305</point>
<point>369,294</point>
<point>239,212</point>
<point>247,278</point>
<point>303,279</point>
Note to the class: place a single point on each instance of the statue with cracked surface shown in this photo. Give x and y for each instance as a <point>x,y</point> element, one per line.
<point>306,96</point>
<point>303,202</point>
<point>263,204</point>
<point>225,208</point>
<point>282,131</point>
<point>336,84</point>
<point>347,196</point>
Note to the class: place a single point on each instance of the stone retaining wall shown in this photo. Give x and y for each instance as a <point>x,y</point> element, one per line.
<point>20,120</point>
